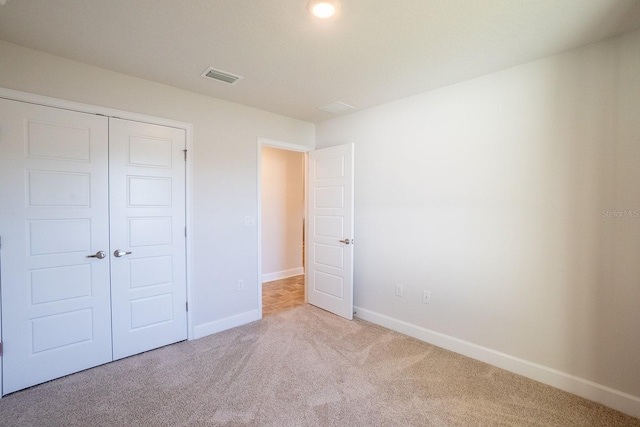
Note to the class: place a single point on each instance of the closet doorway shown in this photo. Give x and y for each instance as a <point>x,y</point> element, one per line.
<point>282,228</point>
<point>93,232</point>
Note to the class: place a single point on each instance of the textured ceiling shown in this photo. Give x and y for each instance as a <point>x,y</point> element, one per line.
<point>374,52</point>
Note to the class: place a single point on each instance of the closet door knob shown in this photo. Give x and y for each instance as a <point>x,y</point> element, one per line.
<point>99,255</point>
<point>118,253</point>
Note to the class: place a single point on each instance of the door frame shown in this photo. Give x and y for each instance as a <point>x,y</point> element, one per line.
<point>110,112</point>
<point>266,142</point>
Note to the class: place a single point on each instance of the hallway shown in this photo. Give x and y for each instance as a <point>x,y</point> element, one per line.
<point>283,294</point>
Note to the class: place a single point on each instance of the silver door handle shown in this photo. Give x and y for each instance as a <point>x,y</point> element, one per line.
<point>346,241</point>
<point>99,255</point>
<point>118,253</point>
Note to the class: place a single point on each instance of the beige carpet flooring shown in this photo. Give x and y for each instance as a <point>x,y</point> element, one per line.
<point>301,367</point>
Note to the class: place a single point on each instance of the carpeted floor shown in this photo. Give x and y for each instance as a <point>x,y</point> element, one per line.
<point>301,367</point>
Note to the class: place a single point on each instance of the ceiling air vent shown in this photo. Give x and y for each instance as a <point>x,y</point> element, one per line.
<point>336,107</point>
<point>221,76</point>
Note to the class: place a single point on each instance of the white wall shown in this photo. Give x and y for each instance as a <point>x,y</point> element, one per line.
<point>224,168</point>
<point>490,194</point>
<point>282,212</point>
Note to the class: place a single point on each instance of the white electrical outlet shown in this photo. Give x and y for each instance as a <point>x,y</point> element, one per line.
<point>426,297</point>
<point>241,285</point>
<point>398,290</point>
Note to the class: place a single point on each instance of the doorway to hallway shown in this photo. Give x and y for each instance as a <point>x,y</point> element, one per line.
<point>328,248</point>
<point>282,219</point>
<point>283,294</point>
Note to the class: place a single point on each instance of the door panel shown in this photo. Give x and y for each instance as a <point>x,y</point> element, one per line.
<point>56,316</point>
<point>147,182</point>
<point>330,206</point>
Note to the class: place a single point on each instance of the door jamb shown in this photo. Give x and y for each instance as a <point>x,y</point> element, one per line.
<point>110,112</point>
<point>266,142</point>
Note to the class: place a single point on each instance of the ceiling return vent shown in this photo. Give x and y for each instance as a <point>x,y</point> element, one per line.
<point>221,76</point>
<point>336,107</point>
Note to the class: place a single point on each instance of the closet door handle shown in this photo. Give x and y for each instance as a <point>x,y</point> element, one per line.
<point>99,255</point>
<point>118,253</point>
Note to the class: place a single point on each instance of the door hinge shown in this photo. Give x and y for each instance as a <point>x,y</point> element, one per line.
<point>185,232</point>
<point>186,305</point>
<point>185,155</point>
<point>1,349</point>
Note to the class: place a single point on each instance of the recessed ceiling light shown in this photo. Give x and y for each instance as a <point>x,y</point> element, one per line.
<point>323,9</point>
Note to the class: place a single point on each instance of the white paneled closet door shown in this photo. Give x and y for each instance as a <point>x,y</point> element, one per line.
<point>92,229</point>
<point>148,279</point>
<point>56,314</point>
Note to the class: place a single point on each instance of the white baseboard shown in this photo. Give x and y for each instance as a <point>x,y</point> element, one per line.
<point>607,396</point>
<point>209,328</point>
<point>270,277</point>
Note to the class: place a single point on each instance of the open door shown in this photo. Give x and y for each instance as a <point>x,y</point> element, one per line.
<point>329,247</point>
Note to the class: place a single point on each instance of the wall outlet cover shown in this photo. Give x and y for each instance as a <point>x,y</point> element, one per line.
<point>426,297</point>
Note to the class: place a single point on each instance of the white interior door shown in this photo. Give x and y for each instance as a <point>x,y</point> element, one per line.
<point>330,239</point>
<point>148,279</point>
<point>56,316</point>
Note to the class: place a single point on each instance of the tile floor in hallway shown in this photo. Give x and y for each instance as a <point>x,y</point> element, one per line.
<point>283,294</point>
